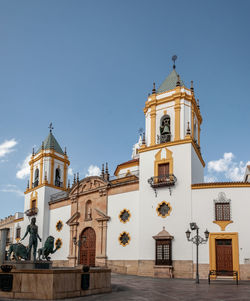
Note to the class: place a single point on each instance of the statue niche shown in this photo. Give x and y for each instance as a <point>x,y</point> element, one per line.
<point>165,131</point>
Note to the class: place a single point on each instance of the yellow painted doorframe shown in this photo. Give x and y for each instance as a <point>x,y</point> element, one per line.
<point>235,249</point>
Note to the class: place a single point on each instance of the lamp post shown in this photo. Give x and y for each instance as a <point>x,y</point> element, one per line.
<point>197,240</point>
<point>79,243</point>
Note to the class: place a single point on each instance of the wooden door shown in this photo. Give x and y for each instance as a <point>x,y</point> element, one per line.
<point>163,170</point>
<point>224,256</point>
<point>87,247</point>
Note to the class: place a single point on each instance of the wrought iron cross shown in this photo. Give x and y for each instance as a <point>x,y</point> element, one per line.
<point>50,127</point>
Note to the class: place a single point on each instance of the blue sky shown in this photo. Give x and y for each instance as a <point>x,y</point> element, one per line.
<point>88,66</point>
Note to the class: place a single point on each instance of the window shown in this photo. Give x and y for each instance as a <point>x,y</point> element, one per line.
<point>165,132</point>
<point>222,208</point>
<point>36,182</point>
<point>124,216</point>
<point>58,178</point>
<point>58,243</point>
<point>124,239</point>
<point>163,252</point>
<point>33,204</point>
<point>222,212</point>
<point>163,172</point>
<point>163,209</point>
<point>59,226</point>
<point>18,232</point>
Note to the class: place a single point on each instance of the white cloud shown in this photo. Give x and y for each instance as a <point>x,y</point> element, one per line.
<point>11,189</point>
<point>7,147</point>
<point>93,170</point>
<point>24,168</point>
<point>210,179</point>
<point>221,164</point>
<point>70,172</point>
<point>226,168</point>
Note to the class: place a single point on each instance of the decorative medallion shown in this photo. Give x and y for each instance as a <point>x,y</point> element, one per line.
<point>124,216</point>
<point>124,239</point>
<point>163,209</point>
<point>59,226</point>
<point>58,243</point>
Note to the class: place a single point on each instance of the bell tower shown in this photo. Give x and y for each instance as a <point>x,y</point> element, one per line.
<point>172,113</point>
<point>48,175</point>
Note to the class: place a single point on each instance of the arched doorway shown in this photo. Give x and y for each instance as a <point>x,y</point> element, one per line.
<point>87,247</point>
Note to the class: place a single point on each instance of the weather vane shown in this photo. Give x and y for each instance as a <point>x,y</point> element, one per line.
<point>174,58</point>
<point>50,127</point>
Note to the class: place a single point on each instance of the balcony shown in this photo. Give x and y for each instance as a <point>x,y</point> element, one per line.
<point>31,211</point>
<point>168,180</point>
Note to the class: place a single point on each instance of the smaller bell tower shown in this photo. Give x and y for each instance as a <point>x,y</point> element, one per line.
<point>48,175</point>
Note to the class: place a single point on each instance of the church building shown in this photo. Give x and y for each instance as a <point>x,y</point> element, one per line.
<point>136,221</point>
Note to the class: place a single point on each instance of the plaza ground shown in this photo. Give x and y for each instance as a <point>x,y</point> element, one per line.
<point>126,287</point>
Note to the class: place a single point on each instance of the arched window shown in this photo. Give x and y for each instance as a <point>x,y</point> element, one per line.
<point>36,181</point>
<point>58,177</point>
<point>88,211</point>
<point>165,129</point>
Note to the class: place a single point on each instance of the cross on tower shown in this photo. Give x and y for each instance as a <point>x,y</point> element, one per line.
<point>50,127</point>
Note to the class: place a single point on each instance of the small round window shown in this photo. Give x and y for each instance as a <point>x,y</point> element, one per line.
<point>58,243</point>
<point>124,239</point>
<point>124,216</point>
<point>59,226</point>
<point>163,209</point>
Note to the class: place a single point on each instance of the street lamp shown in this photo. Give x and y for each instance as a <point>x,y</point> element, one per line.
<point>79,243</point>
<point>197,240</point>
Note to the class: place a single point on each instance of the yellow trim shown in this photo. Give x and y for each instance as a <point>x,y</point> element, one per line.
<point>129,238</point>
<point>172,143</point>
<point>64,175</point>
<point>159,160</point>
<point>60,241</point>
<point>58,230</point>
<point>41,171</point>
<point>192,123</point>
<point>32,198</point>
<point>31,174</point>
<point>124,222</point>
<point>51,155</point>
<point>124,166</point>
<point>18,220</point>
<point>177,95</point>
<point>153,125</point>
<point>52,171</point>
<point>199,133</point>
<point>222,224</point>
<point>17,239</point>
<point>177,109</point>
<point>170,209</point>
<point>220,185</point>
<point>45,184</point>
<point>235,249</point>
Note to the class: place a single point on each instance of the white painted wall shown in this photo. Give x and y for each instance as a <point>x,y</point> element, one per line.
<point>150,224</point>
<point>116,203</point>
<point>63,214</point>
<point>203,215</point>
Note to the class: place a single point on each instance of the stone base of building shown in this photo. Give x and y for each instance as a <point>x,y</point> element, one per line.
<point>56,283</point>
<point>60,264</point>
<point>179,269</point>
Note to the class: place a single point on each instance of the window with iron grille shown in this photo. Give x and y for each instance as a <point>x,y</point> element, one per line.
<point>163,252</point>
<point>222,212</point>
<point>18,232</point>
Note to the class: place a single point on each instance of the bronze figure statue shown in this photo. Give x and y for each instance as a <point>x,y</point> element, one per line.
<point>32,229</point>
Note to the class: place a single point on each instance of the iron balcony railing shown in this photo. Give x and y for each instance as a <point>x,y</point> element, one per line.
<point>162,180</point>
<point>31,211</point>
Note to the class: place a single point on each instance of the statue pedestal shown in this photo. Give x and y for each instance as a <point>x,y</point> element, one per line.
<point>30,265</point>
<point>52,284</point>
